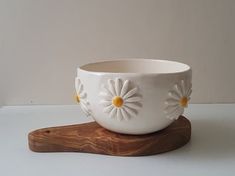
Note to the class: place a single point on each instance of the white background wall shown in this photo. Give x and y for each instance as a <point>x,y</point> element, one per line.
<point>43,41</point>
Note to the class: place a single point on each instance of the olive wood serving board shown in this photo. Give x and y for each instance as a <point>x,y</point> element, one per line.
<point>92,138</point>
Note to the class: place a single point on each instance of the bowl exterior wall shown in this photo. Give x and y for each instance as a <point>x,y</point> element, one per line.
<point>153,91</point>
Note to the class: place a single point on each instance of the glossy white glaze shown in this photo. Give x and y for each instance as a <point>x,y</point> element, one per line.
<point>143,88</point>
<point>128,98</point>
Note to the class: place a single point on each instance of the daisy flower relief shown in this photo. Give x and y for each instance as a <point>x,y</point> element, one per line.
<point>177,100</point>
<point>120,100</point>
<point>81,97</point>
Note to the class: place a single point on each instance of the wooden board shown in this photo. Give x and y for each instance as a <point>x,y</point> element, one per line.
<point>92,138</point>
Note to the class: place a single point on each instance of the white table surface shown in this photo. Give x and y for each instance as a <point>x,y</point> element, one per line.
<point>211,150</point>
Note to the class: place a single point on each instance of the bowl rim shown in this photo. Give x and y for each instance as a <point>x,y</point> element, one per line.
<point>82,69</point>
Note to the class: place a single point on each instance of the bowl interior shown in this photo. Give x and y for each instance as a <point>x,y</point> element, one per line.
<point>136,66</point>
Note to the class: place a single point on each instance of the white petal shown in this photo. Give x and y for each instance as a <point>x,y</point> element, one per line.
<point>171,101</point>
<point>84,102</point>
<point>105,103</point>
<point>118,86</point>
<point>170,107</point>
<point>106,96</point>
<point>82,95</point>
<point>174,95</point>
<point>85,109</point>
<point>119,114</point>
<point>125,88</point>
<point>77,80</point>
<point>113,112</point>
<point>111,87</point>
<point>107,91</point>
<point>129,111</point>
<point>178,90</point>
<point>133,105</point>
<point>108,109</point>
<point>176,114</point>
<point>124,114</point>
<point>188,89</point>
<point>189,92</point>
<point>133,99</point>
<point>183,87</point>
<point>130,93</point>
<point>171,110</point>
<point>80,89</point>
<point>189,85</point>
<point>77,84</point>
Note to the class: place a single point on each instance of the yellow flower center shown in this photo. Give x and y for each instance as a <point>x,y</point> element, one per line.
<point>77,98</point>
<point>184,102</point>
<point>117,101</point>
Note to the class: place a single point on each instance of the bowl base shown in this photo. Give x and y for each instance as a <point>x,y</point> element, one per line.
<point>92,138</point>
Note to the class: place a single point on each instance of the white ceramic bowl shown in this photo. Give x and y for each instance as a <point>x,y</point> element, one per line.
<point>134,96</point>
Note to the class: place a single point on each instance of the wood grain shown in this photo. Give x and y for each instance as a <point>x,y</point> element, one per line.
<point>92,138</point>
